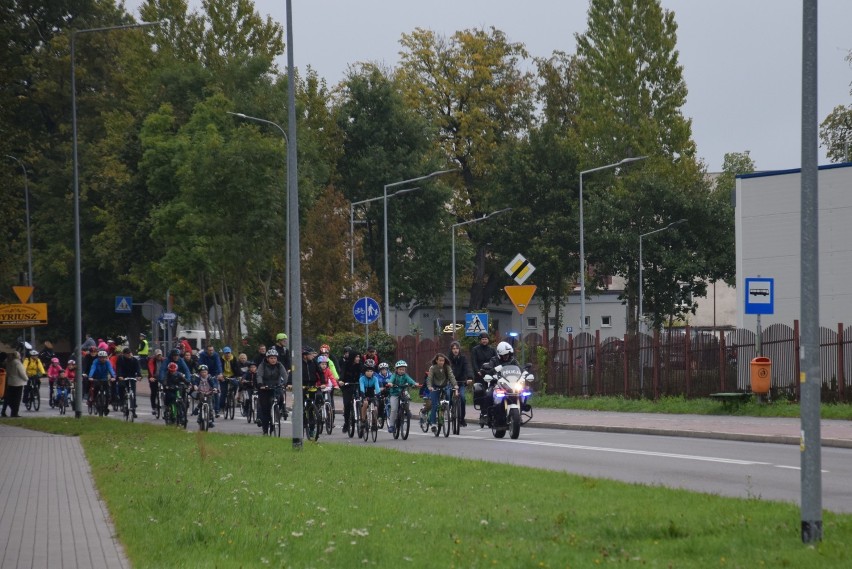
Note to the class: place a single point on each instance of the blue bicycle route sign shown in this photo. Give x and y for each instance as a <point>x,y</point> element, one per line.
<point>365,310</point>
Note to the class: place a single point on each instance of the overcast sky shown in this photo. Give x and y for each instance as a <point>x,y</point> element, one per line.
<point>741,58</point>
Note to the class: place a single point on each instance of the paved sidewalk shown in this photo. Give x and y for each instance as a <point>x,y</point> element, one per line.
<point>834,433</point>
<point>50,513</point>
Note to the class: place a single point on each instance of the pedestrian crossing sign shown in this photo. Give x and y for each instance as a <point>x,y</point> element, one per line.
<point>124,304</point>
<point>475,323</point>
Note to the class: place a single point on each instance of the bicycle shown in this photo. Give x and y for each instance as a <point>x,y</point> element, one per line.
<point>276,416</point>
<point>442,418</point>
<point>455,412</point>
<point>372,421</point>
<point>61,399</point>
<point>327,411</point>
<point>175,413</point>
<point>102,397</point>
<point>312,415</point>
<point>381,407</point>
<point>249,407</point>
<point>403,415</point>
<point>230,407</point>
<point>355,418</point>
<point>128,401</point>
<point>32,398</point>
<point>205,410</point>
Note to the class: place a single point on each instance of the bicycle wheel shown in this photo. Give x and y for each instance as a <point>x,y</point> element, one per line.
<point>329,417</point>
<point>353,421</point>
<point>424,420</point>
<point>317,421</point>
<point>404,421</point>
<point>276,420</point>
<point>182,421</point>
<point>454,418</point>
<point>50,400</point>
<point>457,416</point>
<point>156,410</point>
<point>448,418</point>
<point>204,416</point>
<point>28,404</point>
<point>36,398</point>
<point>231,409</point>
<point>365,426</point>
<point>131,402</point>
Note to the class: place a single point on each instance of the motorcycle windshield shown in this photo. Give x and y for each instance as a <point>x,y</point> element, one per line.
<point>512,374</point>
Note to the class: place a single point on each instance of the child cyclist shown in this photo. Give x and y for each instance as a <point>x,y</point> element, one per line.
<point>384,376</point>
<point>397,381</point>
<point>62,386</point>
<point>369,388</point>
<point>325,378</point>
<point>53,371</point>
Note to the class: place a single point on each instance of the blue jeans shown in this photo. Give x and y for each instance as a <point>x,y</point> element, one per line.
<point>435,396</point>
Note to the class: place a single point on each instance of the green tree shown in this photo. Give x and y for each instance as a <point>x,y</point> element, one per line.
<point>631,93</point>
<point>384,142</point>
<point>472,89</point>
<point>835,132</point>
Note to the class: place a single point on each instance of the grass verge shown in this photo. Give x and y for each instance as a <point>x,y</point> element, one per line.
<point>183,499</point>
<point>780,408</point>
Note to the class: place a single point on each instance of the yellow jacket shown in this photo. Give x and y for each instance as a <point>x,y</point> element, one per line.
<point>33,366</point>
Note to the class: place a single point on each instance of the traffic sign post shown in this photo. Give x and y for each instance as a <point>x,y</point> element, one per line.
<point>366,311</point>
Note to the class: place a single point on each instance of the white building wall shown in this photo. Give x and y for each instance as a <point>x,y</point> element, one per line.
<point>768,235</point>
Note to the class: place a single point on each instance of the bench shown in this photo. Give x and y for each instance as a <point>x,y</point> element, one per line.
<point>731,400</point>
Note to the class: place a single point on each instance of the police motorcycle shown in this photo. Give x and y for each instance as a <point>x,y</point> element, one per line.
<point>504,404</point>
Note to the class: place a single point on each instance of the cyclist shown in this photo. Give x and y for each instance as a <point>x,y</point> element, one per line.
<point>211,359</point>
<point>397,381</point>
<point>101,373</point>
<point>172,381</point>
<point>349,386</point>
<point>369,387</point>
<point>325,350</point>
<point>248,384</point>
<point>326,380</point>
<point>384,375</point>
<point>464,375</point>
<point>260,356</point>
<point>63,386</point>
<point>126,369</point>
<point>271,375</point>
<point>71,372</point>
<point>204,383</point>
<point>230,375</point>
<point>190,360</point>
<point>440,380</point>
<point>52,375</point>
<point>34,369</point>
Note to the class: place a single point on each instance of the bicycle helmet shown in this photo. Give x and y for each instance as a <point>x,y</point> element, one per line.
<point>325,349</point>
<point>173,367</point>
<point>400,363</point>
<point>202,367</point>
<point>384,365</point>
<point>322,360</point>
<point>102,354</point>
<point>370,365</point>
<point>280,336</point>
<point>72,363</point>
<point>54,360</point>
<point>174,352</point>
<point>271,353</point>
<point>504,348</point>
<point>33,353</point>
<point>307,350</point>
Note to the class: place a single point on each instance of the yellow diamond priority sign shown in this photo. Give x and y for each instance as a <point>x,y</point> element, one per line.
<point>519,269</point>
<point>520,296</point>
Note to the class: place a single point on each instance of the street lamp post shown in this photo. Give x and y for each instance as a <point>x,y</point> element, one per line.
<point>641,307</point>
<point>29,236</point>
<point>78,295</point>
<point>287,214</point>
<point>582,238</point>
<point>352,228</point>
<point>393,185</point>
<point>483,218</point>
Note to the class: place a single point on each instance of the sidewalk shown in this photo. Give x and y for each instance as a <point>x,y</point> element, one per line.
<point>50,514</point>
<point>834,433</point>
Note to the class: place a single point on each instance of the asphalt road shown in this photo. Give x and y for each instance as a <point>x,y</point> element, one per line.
<point>728,468</point>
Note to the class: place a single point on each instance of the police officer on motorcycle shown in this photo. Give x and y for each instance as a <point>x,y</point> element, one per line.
<point>505,357</point>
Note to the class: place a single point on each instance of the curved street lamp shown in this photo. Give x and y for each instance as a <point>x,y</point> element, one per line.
<point>29,235</point>
<point>393,185</point>
<point>78,295</point>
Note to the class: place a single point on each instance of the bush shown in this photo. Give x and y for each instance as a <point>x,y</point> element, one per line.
<point>384,343</point>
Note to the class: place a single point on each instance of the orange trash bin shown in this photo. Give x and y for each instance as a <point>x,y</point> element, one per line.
<point>761,375</point>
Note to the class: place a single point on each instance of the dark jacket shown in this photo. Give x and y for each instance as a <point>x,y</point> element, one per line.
<point>309,372</point>
<point>127,367</point>
<point>480,355</point>
<point>213,362</point>
<point>461,367</point>
<point>351,372</point>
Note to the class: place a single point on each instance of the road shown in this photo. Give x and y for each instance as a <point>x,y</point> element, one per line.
<point>728,468</point>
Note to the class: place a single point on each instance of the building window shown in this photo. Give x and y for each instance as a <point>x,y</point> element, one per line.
<point>532,323</point>
<point>606,321</point>
<point>587,322</point>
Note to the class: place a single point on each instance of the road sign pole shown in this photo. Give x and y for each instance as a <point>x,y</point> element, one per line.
<point>366,325</point>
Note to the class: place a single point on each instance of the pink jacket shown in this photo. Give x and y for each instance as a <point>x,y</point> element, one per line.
<point>53,371</point>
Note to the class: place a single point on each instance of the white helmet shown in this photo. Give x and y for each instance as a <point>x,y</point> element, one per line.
<point>504,348</point>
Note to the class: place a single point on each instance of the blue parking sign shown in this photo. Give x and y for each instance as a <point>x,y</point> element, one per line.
<point>365,310</point>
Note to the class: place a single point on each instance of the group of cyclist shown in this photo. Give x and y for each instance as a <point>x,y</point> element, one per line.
<point>111,369</point>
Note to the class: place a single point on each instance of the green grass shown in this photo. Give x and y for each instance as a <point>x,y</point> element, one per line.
<point>183,499</point>
<point>779,408</point>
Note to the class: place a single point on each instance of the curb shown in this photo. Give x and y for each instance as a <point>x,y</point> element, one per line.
<point>744,437</point>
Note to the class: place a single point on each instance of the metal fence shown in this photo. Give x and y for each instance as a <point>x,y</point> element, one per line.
<point>683,362</point>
